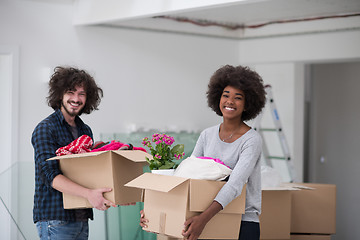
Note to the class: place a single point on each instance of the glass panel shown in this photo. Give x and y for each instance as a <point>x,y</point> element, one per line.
<point>123,223</point>
<point>16,205</point>
<point>16,195</point>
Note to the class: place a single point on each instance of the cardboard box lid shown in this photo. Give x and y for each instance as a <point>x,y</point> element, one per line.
<point>133,155</point>
<point>151,181</point>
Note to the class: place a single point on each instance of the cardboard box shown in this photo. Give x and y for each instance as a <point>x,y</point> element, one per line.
<point>169,201</point>
<point>103,169</point>
<point>276,213</point>
<point>310,237</point>
<point>313,210</point>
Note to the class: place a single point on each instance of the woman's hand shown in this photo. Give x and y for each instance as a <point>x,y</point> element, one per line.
<point>193,227</point>
<point>143,220</point>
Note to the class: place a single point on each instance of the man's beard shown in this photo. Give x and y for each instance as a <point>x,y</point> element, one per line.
<point>72,114</point>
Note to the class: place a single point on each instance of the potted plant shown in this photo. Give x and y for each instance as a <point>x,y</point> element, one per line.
<point>163,154</point>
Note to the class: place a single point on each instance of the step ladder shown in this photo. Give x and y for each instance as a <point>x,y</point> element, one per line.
<point>280,133</point>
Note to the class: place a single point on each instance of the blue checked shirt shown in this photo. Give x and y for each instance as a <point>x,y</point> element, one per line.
<point>49,135</point>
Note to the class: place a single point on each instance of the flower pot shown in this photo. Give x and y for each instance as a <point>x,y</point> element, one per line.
<point>168,172</point>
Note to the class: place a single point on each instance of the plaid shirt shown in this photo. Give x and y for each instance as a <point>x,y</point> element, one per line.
<point>49,135</point>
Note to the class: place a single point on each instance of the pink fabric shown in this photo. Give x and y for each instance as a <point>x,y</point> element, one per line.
<point>84,143</point>
<point>139,148</point>
<point>216,160</point>
<point>113,145</point>
<point>80,145</point>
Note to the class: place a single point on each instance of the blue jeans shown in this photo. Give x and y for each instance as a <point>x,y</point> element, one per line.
<point>62,230</point>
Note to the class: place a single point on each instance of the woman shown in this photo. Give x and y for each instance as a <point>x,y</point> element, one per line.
<point>237,94</point>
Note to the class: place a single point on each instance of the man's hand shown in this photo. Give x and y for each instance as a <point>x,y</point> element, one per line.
<point>94,196</point>
<point>97,200</point>
<point>193,227</point>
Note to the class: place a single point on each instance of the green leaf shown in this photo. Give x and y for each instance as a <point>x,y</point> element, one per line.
<point>167,165</point>
<point>178,149</point>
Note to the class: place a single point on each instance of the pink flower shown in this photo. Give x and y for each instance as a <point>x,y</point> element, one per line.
<point>146,141</point>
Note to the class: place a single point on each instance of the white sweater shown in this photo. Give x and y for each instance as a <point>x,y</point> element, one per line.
<point>243,157</point>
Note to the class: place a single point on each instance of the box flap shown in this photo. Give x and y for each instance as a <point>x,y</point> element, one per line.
<point>88,154</point>
<point>134,155</point>
<point>297,185</point>
<point>156,182</point>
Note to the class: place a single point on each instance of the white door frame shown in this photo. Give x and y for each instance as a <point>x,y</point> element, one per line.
<point>9,77</point>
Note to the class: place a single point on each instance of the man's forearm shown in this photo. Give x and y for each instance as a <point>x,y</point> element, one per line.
<point>65,185</point>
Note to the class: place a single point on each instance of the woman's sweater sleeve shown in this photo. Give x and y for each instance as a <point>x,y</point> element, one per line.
<point>249,155</point>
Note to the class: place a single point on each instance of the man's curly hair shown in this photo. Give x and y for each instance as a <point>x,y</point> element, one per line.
<point>242,78</point>
<point>68,78</point>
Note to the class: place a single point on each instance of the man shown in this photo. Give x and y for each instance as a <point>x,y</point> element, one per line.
<point>71,93</point>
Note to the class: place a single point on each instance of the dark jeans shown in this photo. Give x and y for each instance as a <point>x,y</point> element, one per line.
<point>63,230</point>
<point>249,231</point>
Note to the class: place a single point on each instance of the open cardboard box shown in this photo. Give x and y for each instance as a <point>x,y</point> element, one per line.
<point>103,169</point>
<point>170,200</point>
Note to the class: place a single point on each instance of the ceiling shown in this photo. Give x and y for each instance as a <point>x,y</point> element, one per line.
<point>252,18</point>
